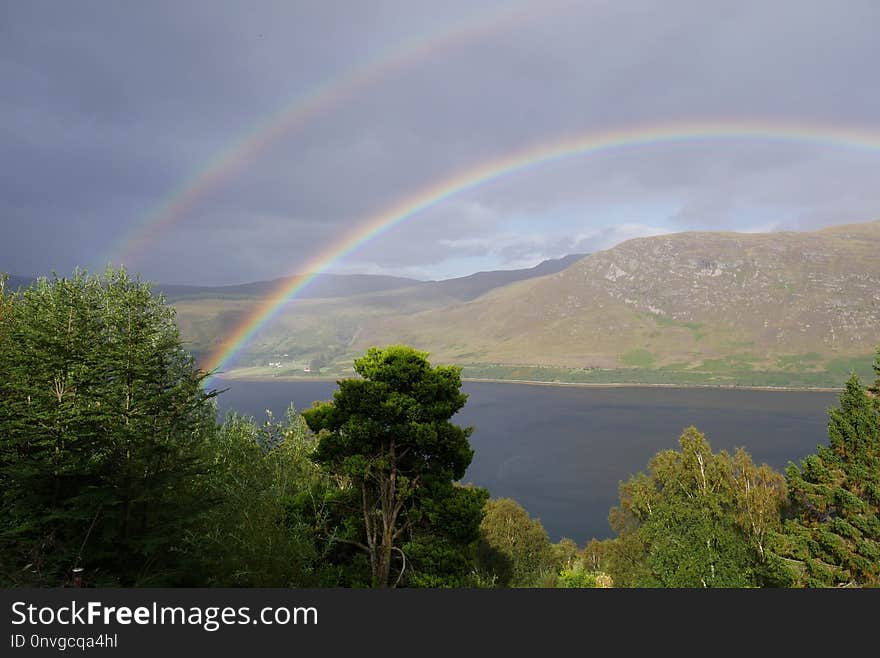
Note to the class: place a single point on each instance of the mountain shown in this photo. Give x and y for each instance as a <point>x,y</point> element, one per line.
<point>322,286</point>
<point>321,323</point>
<point>470,287</point>
<point>325,286</point>
<point>699,302</point>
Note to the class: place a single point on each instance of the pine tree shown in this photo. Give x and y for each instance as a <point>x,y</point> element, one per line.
<point>833,538</point>
<point>388,438</point>
<point>874,390</point>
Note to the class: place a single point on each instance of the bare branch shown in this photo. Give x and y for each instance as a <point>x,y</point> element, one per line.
<point>403,567</point>
<point>361,546</point>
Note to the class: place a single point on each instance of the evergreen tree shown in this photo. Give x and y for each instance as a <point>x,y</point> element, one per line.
<point>833,538</point>
<point>103,433</point>
<point>874,390</point>
<point>442,548</point>
<point>388,440</point>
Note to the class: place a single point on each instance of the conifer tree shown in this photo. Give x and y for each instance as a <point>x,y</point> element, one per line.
<point>388,439</point>
<point>833,538</point>
<point>103,429</point>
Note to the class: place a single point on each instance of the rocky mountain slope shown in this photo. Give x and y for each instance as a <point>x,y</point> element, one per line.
<point>690,300</point>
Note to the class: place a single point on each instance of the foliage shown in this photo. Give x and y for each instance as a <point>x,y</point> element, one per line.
<point>577,576</point>
<point>514,548</point>
<point>874,390</point>
<point>442,553</point>
<point>697,519</point>
<point>833,537</point>
<point>272,499</point>
<point>595,554</point>
<point>565,553</point>
<point>387,438</point>
<point>104,434</point>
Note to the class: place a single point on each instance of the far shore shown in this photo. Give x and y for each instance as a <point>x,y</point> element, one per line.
<point>323,378</point>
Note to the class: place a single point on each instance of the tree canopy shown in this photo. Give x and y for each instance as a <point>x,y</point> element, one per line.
<point>103,432</point>
<point>696,519</point>
<point>389,438</point>
<point>514,548</point>
<point>833,537</point>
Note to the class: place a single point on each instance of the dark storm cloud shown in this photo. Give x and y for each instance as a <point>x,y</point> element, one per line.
<point>109,108</point>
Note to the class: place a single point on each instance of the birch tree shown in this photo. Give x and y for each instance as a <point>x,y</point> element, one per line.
<point>696,519</point>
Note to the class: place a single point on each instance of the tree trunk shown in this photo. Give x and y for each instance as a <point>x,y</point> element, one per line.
<point>382,576</point>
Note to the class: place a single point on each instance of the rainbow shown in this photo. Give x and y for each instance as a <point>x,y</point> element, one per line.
<point>297,111</point>
<point>462,181</point>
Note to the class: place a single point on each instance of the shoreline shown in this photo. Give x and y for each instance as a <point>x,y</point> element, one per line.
<point>528,382</point>
<point>743,387</point>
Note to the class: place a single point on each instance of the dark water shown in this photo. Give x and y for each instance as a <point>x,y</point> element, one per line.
<point>561,452</point>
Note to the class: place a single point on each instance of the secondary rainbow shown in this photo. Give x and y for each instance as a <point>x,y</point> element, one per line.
<point>468,179</point>
<point>305,107</point>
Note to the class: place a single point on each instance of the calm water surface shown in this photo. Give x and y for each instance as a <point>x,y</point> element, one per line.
<point>562,451</point>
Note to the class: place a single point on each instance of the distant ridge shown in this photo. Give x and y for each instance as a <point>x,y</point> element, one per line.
<point>328,286</point>
<point>470,287</point>
<point>322,286</point>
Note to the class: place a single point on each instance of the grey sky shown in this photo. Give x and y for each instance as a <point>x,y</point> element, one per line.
<point>108,108</point>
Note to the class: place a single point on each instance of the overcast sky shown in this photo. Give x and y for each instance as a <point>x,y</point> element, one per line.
<point>108,109</point>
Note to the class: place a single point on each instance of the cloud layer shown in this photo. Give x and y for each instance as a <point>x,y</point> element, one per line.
<point>110,109</point>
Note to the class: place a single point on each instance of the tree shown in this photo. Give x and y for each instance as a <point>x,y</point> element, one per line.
<point>758,498</point>
<point>874,391</point>
<point>388,438</point>
<point>595,554</point>
<point>443,544</point>
<point>104,429</point>
<point>272,497</point>
<point>566,553</point>
<point>577,576</point>
<point>697,519</point>
<point>514,547</point>
<point>833,537</point>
